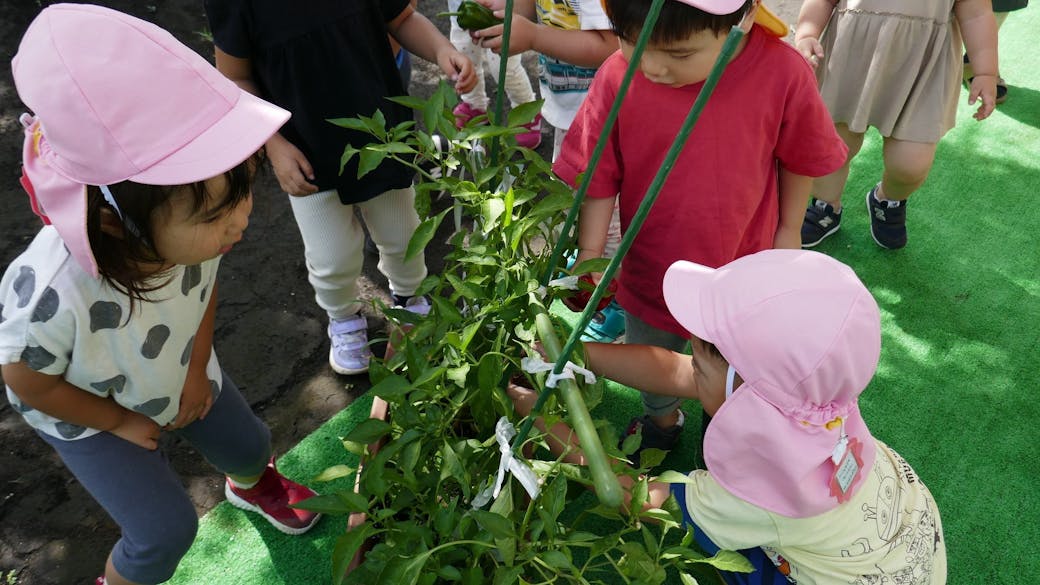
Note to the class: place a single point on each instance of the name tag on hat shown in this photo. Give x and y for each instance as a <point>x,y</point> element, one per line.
<point>847,464</point>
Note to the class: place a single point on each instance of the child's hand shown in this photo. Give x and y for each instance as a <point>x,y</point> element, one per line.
<point>291,167</point>
<point>196,400</point>
<point>459,69</point>
<point>985,87</point>
<point>811,49</point>
<point>521,35</point>
<point>138,429</point>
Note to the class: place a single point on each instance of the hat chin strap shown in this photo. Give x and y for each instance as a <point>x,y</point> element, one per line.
<point>730,375</point>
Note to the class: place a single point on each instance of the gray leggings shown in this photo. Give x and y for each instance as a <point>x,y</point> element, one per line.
<point>638,331</point>
<point>145,497</point>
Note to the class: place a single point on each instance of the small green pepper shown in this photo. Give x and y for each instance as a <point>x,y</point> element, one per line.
<point>473,16</point>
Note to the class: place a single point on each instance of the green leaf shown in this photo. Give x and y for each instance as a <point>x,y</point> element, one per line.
<point>423,234</point>
<point>687,579</point>
<point>591,265</point>
<point>392,387</point>
<point>347,545</point>
<point>496,524</point>
<point>486,174</point>
<point>557,560</point>
<point>489,372</point>
<point>336,504</point>
<point>335,472</point>
<point>458,375</point>
<point>640,491</point>
<point>524,113</point>
<point>369,160</point>
<point>348,153</point>
<point>368,431</point>
<point>356,124</point>
<point>650,457</point>
<point>728,560</point>
<point>408,101</point>
<point>490,211</point>
<point>433,110</point>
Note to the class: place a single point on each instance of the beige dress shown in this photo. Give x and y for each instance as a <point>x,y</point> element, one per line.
<point>893,64</point>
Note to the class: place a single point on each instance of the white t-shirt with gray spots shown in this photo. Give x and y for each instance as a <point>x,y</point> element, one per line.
<point>61,321</point>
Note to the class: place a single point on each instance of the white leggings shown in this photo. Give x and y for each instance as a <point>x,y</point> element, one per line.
<point>518,84</point>
<point>334,242</point>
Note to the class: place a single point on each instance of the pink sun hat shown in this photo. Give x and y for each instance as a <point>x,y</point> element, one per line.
<point>804,334</point>
<point>764,17</point>
<point>116,98</point>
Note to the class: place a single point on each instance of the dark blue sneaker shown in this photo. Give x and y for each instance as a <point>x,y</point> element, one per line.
<point>607,325</point>
<point>651,436</point>
<point>887,221</point>
<point>820,221</point>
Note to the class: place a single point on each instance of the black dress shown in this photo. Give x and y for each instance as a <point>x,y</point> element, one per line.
<point>321,59</point>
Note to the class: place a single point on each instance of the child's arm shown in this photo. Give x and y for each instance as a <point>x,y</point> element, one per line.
<point>416,33</point>
<point>196,396</point>
<point>812,19</point>
<point>585,48</point>
<point>650,368</point>
<point>979,29</point>
<point>292,169</point>
<point>593,223</point>
<point>51,394</point>
<point>794,198</point>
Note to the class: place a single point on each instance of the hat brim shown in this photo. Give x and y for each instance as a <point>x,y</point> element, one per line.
<point>684,285</point>
<point>229,141</point>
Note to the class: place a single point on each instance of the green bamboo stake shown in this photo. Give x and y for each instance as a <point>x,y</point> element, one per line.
<point>507,29</point>
<point>728,49</point>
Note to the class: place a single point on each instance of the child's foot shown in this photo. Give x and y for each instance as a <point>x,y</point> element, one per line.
<point>465,112</point>
<point>607,325</point>
<point>271,497</point>
<point>533,137</point>
<point>349,353</point>
<point>418,304</point>
<point>653,437</point>
<point>887,221</point>
<point>821,220</point>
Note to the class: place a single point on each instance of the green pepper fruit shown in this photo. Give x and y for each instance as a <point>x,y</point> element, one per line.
<point>473,16</point>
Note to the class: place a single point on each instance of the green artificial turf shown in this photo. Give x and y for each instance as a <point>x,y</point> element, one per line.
<point>956,390</point>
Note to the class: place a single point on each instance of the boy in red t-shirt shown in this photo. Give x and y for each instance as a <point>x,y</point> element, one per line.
<point>740,185</point>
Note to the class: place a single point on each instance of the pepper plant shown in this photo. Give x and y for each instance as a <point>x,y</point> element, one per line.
<point>423,491</point>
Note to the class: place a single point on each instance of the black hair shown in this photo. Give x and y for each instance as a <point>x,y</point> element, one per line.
<point>130,263</point>
<point>676,22</point>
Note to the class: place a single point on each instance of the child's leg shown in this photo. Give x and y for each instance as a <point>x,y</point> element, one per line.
<point>140,492</point>
<point>391,219</point>
<point>906,167</point>
<point>333,241</point>
<point>477,97</point>
<point>518,84</point>
<point>830,187</point>
<point>231,437</point>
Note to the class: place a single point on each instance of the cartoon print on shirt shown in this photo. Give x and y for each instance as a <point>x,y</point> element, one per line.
<point>915,529</point>
<point>781,564</point>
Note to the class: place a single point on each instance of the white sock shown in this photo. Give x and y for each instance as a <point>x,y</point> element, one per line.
<point>242,485</point>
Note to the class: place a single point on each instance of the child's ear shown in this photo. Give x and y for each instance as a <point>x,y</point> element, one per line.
<point>111,224</point>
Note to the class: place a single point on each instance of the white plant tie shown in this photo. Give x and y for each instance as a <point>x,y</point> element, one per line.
<point>504,433</point>
<point>567,282</point>
<point>533,365</point>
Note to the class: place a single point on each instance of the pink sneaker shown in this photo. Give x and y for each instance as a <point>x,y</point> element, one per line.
<point>533,137</point>
<point>271,497</point>
<point>465,112</point>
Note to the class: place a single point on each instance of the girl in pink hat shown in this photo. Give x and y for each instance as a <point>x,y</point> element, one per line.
<point>142,174</point>
<point>794,478</point>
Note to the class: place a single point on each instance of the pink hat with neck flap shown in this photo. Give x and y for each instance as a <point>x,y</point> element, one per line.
<point>117,99</point>
<point>804,334</point>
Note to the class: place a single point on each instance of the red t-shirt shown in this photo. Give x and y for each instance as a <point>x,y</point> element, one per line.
<point>720,201</point>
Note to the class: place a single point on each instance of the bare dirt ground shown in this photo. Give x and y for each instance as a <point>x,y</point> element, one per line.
<point>270,334</point>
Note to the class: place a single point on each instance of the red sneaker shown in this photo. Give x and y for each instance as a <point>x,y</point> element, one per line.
<point>271,497</point>
<point>100,581</point>
<point>465,112</point>
<point>533,137</point>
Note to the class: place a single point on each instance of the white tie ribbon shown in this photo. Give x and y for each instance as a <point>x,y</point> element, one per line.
<point>504,433</point>
<point>566,282</point>
<point>533,365</point>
